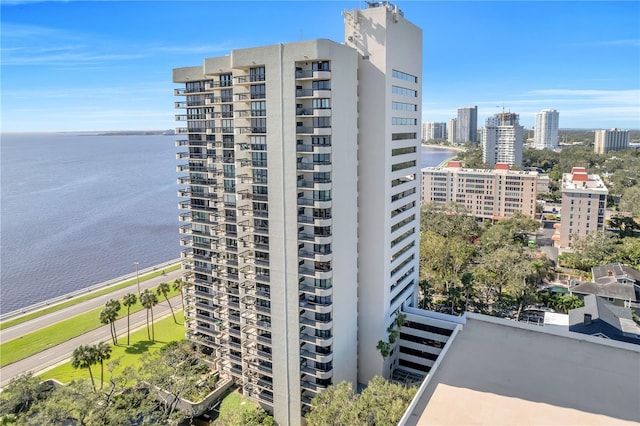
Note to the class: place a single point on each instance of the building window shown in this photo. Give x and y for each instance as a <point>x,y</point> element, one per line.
<point>402,151</point>
<point>258,108</point>
<point>322,122</point>
<point>258,91</point>
<point>401,106</point>
<point>321,103</point>
<point>404,76</point>
<point>402,136</point>
<point>403,165</point>
<point>225,80</point>
<point>321,66</point>
<point>404,91</point>
<point>321,85</point>
<point>256,74</point>
<point>403,121</point>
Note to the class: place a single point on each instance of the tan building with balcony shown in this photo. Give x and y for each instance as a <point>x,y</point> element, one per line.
<point>584,202</point>
<point>488,194</point>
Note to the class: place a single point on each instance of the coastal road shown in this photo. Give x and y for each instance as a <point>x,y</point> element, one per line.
<point>63,351</point>
<point>82,307</point>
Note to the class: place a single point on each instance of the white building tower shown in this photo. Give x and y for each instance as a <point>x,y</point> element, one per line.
<point>546,132</point>
<point>451,131</point>
<point>467,125</point>
<point>502,139</point>
<point>389,73</point>
<point>301,221</point>
<point>611,140</point>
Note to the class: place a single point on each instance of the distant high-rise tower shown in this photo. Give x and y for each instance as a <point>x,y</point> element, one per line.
<point>467,125</point>
<point>433,130</point>
<point>546,131</point>
<point>502,139</point>
<point>451,131</point>
<point>302,222</point>
<point>611,140</point>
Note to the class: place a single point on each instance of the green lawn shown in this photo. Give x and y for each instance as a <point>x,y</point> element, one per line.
<point>165,331</point>
<point>234,402</point>
<point>32,343</point>
<point>74,301</point>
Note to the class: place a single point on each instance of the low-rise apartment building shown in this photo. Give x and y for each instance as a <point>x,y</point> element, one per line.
<point>488,194</point>
<point>610,140</point>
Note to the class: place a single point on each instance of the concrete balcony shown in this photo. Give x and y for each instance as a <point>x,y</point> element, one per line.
<point>316,356</point>
<point>316,340</point>
<point>312,93</point>
<point>316,221</point>
<point>313,112</point>
<point>312,372</point>
<point>318,204</point>
<point>315,256</point>
<point>313,75</point>
<point>314,323</point>
<point>315,291</point>
<point>313,238</point>
<point>311,306</point>
<point>314,273</point>
<point>315,131</point>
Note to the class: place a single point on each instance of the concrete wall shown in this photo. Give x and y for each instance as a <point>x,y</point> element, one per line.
<point>385,41</point>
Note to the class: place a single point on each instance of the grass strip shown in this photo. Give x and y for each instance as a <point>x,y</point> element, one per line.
<point>45,338</point>
<point>165,331</point>
<point>89,296</point>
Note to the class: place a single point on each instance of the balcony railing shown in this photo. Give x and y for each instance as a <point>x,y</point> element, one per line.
<point>313,73</point>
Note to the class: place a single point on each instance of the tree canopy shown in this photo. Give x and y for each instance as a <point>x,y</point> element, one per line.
<point>381,403</point>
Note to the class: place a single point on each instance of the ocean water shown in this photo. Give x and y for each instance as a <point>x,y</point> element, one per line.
<point>79,209</point>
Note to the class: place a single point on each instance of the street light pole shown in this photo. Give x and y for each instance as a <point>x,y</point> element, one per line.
<point>137,277</point>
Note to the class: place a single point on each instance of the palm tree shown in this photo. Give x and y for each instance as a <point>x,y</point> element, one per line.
<point>84,356</point>
<point>103,353</point>
<point>148,299</point>
<point>163,289</point>
<point>178,284</point>
<point>108,315</point>
<point>129,300</point>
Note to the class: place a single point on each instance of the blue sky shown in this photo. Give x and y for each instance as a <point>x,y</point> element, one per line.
<point>106,65</point>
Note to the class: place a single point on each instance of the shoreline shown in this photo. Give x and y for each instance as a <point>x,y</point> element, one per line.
<point>5,316</point>
<point>452,148</point>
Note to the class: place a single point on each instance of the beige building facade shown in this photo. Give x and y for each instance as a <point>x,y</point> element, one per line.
<point>489,194</point>
<point>301,218</point>
<point>584,201</point>
<point>610,140</point>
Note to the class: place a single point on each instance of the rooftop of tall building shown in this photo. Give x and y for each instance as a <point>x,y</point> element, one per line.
<point>579,179</point>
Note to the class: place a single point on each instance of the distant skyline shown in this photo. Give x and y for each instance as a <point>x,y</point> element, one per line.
<point>107,65</point>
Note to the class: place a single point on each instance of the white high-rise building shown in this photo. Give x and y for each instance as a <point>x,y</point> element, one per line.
<point>432,130</point>
<point>467,125</point>
<point>451,131</point>
<point>302,213</point>
<point>611,140</point>
<point>502,140</point>
<point>546,131</point>
<point>389,72</point>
